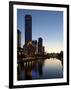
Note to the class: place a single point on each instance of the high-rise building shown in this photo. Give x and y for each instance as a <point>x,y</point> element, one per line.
<point>43,49</point>
<point>40,42</point>
<point>18,39</point>
<point>28,28</point>
<point>34,42</point>
<point>29,49</point>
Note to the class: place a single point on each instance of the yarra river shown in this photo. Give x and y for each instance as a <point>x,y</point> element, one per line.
<point>40,69</point>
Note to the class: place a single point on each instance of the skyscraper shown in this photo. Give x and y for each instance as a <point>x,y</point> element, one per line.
<point>40,45</point>
<point>34,42</point>
<point>28,28</point>
<point>18,39</point>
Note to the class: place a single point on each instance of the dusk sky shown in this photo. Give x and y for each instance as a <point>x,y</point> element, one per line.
<point>45,24</point>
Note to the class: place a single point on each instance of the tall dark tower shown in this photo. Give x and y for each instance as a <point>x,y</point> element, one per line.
<point>18,39</point>
<point>28,28</point>
<point>40,42</point>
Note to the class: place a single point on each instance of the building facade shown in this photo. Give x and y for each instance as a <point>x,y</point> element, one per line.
<point>18,39</point>
<point>34,42</point>
<point>40,42</point>
<point>28,28</point>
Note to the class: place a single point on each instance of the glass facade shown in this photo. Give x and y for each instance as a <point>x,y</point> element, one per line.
<point>28,28</point>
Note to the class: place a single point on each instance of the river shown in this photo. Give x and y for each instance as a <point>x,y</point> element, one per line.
<point>40,69</point>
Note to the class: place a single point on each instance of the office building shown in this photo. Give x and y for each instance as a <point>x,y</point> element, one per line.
<point>40,41</point>
<point>34,42</point>
<point>18,39</point>
<point>28,28</point>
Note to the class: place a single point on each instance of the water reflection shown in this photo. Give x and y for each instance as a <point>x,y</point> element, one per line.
<point>40,69</point>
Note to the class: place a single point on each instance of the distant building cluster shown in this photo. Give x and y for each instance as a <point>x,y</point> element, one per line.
<point>31,47</point>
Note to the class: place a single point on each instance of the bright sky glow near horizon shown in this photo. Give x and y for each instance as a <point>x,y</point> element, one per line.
<point>45,24</point>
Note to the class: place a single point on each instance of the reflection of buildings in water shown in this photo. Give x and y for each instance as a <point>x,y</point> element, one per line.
<point>40,69</point>
<point>28,73</point>
<point>30,69</point>
<point>40,65</point>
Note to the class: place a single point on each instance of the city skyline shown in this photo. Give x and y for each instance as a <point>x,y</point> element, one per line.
<point>45,24</point>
